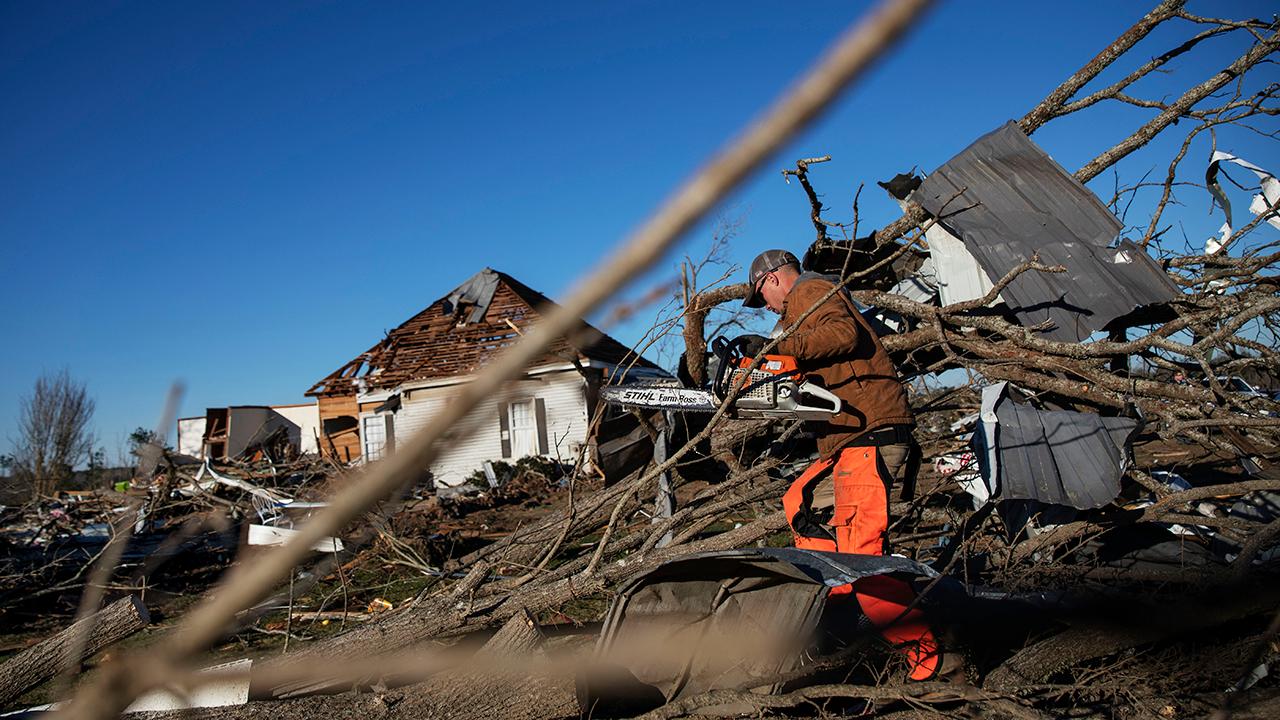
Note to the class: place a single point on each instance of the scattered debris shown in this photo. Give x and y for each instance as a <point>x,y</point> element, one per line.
<point>1086,563</point>
<point>739,618</point>
<point>1267,197</point>
<point>267,535</point>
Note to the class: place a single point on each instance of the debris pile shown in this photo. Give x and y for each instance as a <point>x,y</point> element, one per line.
<point>186,517</point>
<point>1096,525</point>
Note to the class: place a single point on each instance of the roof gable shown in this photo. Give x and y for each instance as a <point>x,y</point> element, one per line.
<point>461,333</point>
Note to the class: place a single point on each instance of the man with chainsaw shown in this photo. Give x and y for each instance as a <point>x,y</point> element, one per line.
<point>841,502</point>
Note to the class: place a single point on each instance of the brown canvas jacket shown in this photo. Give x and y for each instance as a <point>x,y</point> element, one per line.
<point>837,345</point>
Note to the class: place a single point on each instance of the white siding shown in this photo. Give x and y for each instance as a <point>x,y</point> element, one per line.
<point>307,420</point>
<point>191,436</point>
<point>566,399</point>
<point>562,392</point>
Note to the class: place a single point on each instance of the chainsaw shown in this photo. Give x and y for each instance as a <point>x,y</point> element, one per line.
<point>773,389</point>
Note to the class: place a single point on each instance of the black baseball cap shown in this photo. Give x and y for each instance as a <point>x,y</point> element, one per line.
<point>765,263</point>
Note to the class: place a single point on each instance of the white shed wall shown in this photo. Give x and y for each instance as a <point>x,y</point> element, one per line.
<point>563,394</point>
<point>307,418</point>
<point>191,436</point>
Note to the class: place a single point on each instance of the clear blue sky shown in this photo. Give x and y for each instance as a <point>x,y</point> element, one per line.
<point>245,195</point>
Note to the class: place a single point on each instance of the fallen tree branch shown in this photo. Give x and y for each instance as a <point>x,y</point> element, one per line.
<point>45,660</point>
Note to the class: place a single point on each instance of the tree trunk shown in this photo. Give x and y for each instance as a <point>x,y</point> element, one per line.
<point>501,691</point>
<point>41,662</point>
<point>488,695</point>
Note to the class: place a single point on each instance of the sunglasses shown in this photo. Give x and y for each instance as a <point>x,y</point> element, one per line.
<point>765,276</point>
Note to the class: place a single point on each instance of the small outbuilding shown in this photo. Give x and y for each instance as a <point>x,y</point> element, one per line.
<point>226,433</point>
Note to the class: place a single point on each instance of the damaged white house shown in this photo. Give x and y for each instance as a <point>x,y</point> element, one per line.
<point>387,393</point>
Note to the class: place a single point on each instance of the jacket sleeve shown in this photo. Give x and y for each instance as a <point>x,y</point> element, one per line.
<point>829,331</point>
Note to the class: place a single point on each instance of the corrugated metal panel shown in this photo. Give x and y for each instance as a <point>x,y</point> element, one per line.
<point>950,268</point>
<point>959,276</point>
<point>1018,202</point>
<point>1053,456</point>
<point>565,400</point>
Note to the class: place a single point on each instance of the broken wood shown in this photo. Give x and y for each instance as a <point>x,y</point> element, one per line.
<point>330,615</point>
<point>42,662</point>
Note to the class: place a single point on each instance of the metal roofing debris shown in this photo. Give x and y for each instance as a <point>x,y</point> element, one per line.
<point>472,297</point>
<point>268,535</point>
<point>227,685</point>
<point>1269,195</point>
<point>266,496</point>
<point>1260,506</point>
<point>1007,201</point>
<point>921,287</point>
<point>1058,457</point>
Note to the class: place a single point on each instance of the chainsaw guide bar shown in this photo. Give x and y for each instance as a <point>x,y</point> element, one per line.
<point>661,398</point>
<point>772,387</point>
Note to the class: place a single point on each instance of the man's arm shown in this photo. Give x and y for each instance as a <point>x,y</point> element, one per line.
<point>828,331</point>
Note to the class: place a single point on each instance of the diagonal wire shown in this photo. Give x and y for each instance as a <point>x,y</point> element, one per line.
<point>852,54</point>
<point>105,567</point>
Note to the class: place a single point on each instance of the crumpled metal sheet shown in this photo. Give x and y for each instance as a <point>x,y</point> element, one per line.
<point>835,569</point>
<point>1057,457</point>
<point>1008,201</point>
<point>1268,195</point>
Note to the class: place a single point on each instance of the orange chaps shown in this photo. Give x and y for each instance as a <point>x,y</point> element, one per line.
<point>860,522</point>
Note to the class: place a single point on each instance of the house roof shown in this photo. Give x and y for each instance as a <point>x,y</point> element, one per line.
<point>460,333</point>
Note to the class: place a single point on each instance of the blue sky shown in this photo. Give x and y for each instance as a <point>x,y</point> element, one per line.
<point>243,196</point>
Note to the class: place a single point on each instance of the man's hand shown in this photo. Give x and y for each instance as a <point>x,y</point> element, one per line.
<point>751,345</point>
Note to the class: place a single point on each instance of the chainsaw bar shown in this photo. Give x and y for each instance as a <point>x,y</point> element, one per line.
<point>661,398</point>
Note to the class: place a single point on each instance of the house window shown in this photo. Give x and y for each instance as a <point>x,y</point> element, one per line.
<point>524,429</point>
<point>379,436</point>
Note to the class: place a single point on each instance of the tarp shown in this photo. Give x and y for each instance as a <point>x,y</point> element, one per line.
<point>1008,201</point>
<point>718,620</point>
<point>1057,457</point>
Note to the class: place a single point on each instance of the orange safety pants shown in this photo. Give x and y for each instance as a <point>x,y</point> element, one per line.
<point>859,523</point>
